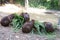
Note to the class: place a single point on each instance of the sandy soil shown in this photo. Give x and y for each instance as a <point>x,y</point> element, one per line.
<point>6,33</point>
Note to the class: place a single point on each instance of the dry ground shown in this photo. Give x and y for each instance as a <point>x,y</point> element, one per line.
<point>6,33</point>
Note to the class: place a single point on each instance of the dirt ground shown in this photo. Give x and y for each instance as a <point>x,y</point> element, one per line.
<point>6,33</point>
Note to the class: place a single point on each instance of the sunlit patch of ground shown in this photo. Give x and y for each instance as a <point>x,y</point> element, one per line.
<point>10,8</point>
<point>48,17</point>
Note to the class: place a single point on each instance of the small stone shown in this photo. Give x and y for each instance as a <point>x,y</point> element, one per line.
<point>37,39</point>
<point>17,36</point>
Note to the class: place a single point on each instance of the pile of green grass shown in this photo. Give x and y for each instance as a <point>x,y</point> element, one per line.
<point>17,22</point>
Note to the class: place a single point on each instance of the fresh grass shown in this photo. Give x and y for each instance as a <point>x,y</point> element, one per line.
<point>39,25</point>
<point>17,22</point>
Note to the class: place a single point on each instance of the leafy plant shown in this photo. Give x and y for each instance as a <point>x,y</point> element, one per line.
<point>39,28</point>
<point>48,4</point>
<point>17,22</point>
<point>22,2</point>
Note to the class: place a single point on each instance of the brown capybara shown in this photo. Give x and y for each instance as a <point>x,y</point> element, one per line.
<point>25,16</point>
<point>48,26</point>
<point>5,21</point>
<point>27,27</point>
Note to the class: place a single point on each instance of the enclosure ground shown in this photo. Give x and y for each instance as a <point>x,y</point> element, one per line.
<point>6,33</point>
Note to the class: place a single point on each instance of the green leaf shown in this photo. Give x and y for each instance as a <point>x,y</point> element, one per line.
<point>17,22</point>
